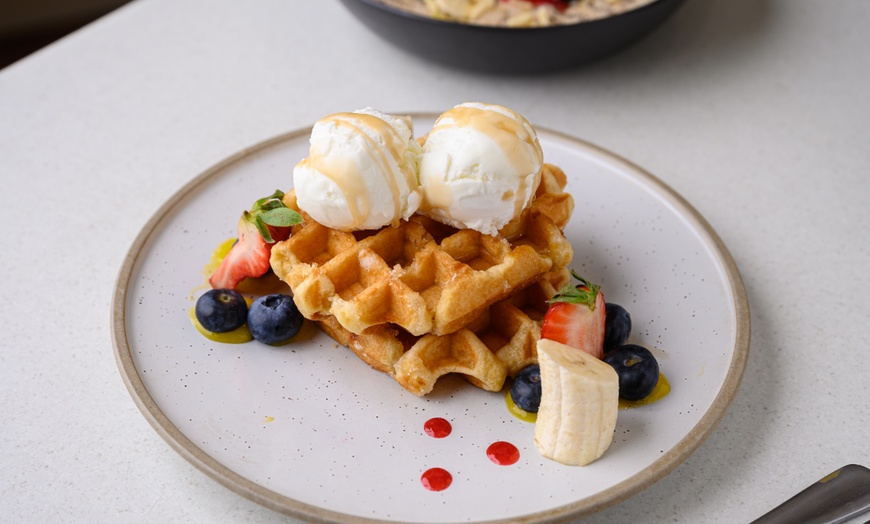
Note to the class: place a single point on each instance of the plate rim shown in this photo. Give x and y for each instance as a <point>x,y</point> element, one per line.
<point>246,488</point>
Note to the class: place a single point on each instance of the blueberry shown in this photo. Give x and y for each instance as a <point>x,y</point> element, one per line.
<point>637,368</point>
<point>273,319</point>
<point>526,388</point>
<point>221,310</point>
<point>617,326</point>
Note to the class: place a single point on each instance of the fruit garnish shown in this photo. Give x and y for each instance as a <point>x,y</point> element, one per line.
<point>637,368</point>
<point>583,293</point>
<point>274,319</point>
<point>576,317</point>
<point>268,221</point>
<point>561,5</point>
<point>272,218</point>
<point>221,310</point>
<point>617,327</point>
<point>579,404</point>
<point>526,388</point>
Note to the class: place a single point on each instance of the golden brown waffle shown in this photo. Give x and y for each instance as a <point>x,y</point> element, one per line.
<point>498,343</point>
<point>423,299</point>
<point>422,276</point>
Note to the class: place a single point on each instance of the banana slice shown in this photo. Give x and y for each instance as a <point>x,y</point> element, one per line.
<point>579,402</point>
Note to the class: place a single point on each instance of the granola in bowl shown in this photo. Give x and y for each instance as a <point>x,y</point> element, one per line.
<point>517,13</point>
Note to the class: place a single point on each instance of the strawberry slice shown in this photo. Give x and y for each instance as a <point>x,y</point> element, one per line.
<point>268,221</point>
<point>576,317</point>
<point>249,258</point>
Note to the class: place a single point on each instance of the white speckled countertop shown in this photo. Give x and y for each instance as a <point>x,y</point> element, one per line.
<point>754,111</point>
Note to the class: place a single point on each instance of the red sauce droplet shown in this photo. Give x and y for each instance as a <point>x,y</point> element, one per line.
<point>436,479</point>
<point>437,427</point>
<point>503,453</point>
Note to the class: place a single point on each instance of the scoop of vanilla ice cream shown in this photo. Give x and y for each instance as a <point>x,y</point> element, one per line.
<point>480,167</point>
<point>361,171</point>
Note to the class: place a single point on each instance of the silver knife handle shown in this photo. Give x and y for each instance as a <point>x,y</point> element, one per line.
<point>840,496</point>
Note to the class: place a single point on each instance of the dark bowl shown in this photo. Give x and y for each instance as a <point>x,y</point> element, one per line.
<point>510,50</point>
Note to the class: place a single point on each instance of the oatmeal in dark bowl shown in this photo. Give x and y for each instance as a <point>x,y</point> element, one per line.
<point>517,13</point>
<point>514,45</point>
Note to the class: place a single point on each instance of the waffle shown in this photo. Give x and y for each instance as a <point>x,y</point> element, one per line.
<point>422,276</point>
<point>498,343</point>
<point>422,300</point>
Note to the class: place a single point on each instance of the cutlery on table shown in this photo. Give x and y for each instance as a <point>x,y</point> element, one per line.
<point>840,496</point>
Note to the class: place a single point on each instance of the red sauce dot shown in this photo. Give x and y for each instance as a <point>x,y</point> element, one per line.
<point>437,427</point>
<point>436,479</point>
<point>503,453</point>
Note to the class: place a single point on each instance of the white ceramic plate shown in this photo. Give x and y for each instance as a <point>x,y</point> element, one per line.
<point>311,431</point>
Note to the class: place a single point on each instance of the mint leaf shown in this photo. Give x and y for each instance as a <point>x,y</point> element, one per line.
<point>271,211</point>
<point>272,201</point>
<point>281,217</point>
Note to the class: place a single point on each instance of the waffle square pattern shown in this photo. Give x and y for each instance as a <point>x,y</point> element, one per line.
<point>390,293</point>
<point>500,342</point>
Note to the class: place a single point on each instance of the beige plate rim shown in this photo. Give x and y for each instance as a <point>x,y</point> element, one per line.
<point>286,505</point>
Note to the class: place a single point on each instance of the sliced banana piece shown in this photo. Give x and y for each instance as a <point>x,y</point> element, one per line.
<point>579,403</point>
